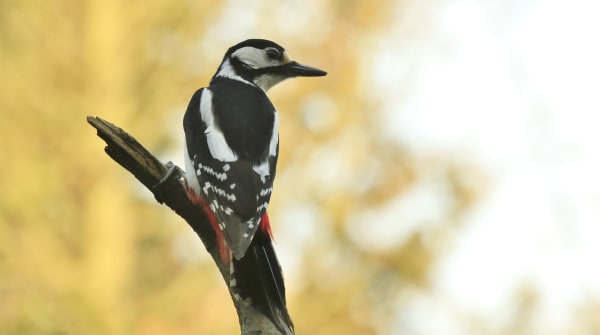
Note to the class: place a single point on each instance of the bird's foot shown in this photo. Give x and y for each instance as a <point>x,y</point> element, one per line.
<point>158,188</point>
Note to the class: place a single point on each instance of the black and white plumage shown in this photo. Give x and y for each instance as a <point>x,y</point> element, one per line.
<point>231,157</point>
<point>232,143</point>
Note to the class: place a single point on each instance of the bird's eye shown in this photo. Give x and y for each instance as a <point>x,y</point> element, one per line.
<point>273,53</point>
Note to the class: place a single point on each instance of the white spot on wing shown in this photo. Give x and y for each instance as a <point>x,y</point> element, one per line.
<point>261,207</point>
<point>266,191</point>
<point>262,169</point>
<point>214,137</point>
<point>220,176</point>
<point>222,193</point>
<point>206,187</point>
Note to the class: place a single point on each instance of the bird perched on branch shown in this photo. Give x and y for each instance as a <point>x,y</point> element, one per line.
<point>231,150</point>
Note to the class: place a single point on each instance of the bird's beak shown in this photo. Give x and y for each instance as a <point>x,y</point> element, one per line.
<point>298,70</point>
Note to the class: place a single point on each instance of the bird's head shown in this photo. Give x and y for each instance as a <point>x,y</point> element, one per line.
<point>263,63</point>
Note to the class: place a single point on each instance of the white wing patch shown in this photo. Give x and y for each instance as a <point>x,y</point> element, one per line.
<point>264,168</point>
<point>214,137</point>
<point>274,136</point>
<point>190,172</point>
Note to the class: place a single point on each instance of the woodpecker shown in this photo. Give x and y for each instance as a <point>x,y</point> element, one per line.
<point>231,150</point>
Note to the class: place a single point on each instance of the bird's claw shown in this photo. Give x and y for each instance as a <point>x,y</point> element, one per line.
<point>157,188</point>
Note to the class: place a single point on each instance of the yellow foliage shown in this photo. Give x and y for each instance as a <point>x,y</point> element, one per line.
<point>84,251</point>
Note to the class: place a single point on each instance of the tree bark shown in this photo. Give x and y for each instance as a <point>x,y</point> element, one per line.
<point>164,181</point>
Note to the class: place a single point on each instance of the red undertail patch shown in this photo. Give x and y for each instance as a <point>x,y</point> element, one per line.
<point>199,201</point>
<point>265,225</point>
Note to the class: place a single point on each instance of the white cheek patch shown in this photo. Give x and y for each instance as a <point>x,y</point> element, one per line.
<point>214,137</point>
<point>253,57</point>
<point>286,58</point>
<point>265,82</point>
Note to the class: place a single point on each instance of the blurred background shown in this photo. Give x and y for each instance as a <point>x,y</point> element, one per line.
<point>442,179</point>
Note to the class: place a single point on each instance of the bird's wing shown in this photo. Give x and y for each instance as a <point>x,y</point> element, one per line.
<point>236,190</point>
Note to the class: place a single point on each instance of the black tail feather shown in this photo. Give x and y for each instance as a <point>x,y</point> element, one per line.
<point>258,277</point>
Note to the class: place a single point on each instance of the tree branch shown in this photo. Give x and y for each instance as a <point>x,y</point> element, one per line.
<point>164,181</point>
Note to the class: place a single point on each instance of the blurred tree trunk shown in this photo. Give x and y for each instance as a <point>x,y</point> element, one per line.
<point>109,245</point>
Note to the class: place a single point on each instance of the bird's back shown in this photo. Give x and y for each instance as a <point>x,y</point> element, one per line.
<point>245,115</point>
